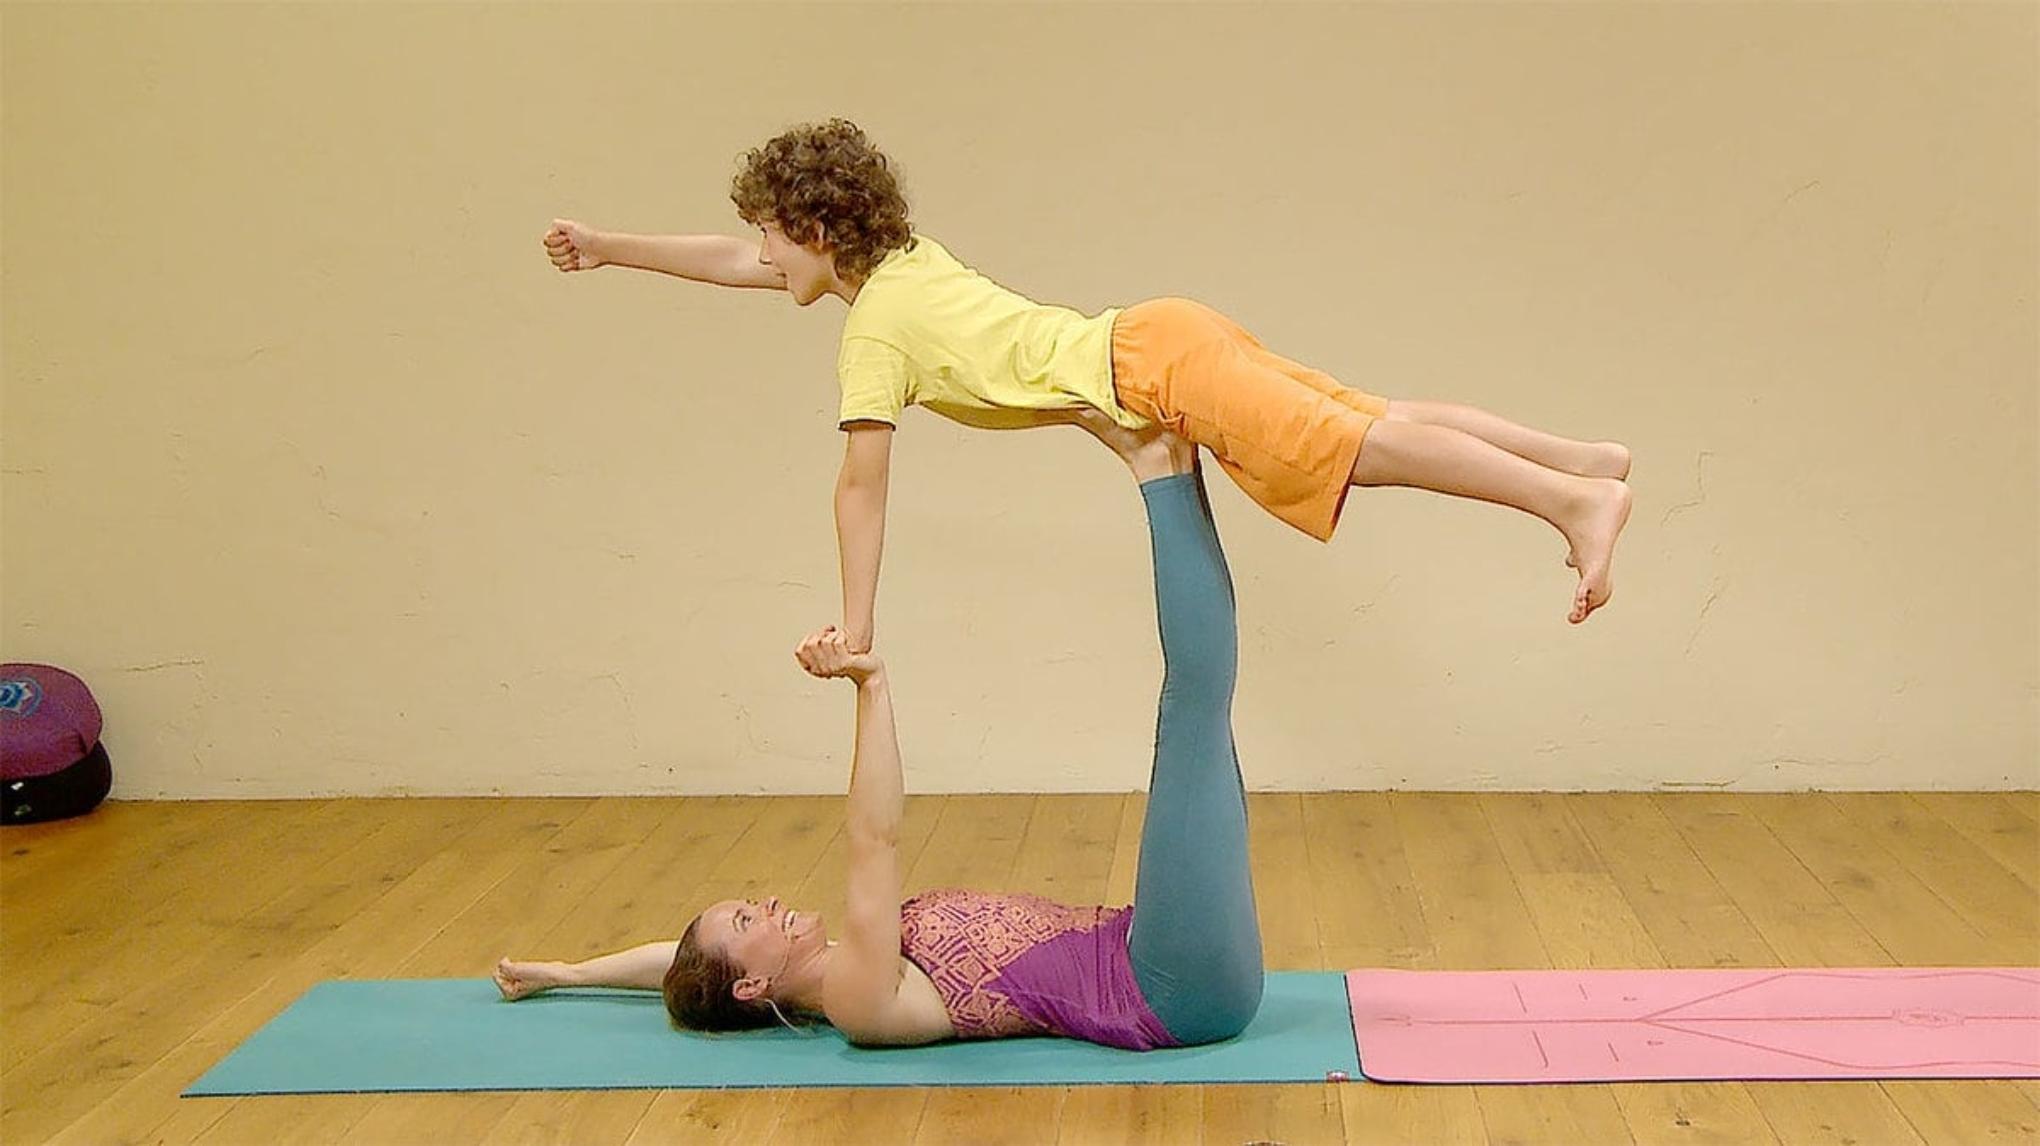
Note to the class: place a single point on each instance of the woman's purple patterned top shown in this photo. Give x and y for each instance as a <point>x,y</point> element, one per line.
<point>1014,964</point>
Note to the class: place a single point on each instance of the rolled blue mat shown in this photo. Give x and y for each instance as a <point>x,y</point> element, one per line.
<point>457,1034</point>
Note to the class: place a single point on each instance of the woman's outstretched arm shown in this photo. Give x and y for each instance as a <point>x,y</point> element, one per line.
<point>641,968</point>
<point>862,993</point>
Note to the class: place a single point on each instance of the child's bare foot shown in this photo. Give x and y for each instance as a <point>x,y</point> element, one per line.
<point>519,980</point>
<point>1607,460</point>
<point>1592,536</point>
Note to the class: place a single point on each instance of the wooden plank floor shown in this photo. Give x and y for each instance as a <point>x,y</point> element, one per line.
<point>142,943</point>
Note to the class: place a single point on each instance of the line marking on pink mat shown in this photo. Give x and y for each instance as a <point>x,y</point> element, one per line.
<point>1791,974</point>
<point>1768,1049</point>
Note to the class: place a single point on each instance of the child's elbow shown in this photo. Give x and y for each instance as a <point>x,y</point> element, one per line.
<point>861,480</point>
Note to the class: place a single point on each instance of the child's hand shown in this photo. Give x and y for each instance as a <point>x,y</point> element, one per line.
<point>826,653</point>
<point>570,246</point>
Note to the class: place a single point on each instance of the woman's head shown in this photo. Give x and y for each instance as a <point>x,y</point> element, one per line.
<point>825,183</point>
<point>738,959</point>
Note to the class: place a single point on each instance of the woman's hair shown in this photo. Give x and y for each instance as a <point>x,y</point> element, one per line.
<point>826,175</point>
<point>697,990</point>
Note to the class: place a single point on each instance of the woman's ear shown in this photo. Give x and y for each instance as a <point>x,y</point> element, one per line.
<point>748,988</point>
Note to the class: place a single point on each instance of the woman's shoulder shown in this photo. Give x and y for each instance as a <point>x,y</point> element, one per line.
<point>912,1016</point>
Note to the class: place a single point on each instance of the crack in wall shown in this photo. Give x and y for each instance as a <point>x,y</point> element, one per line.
<point>1699,485</point>
<point>1700,622</point>
<point>162,665</point>
<point>629,712</point>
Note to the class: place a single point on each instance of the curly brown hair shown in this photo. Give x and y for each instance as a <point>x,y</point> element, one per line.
<point>827,176</point>
<point>697,990</point>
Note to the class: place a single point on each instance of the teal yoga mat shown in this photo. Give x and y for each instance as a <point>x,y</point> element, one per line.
<point>456,1034</point>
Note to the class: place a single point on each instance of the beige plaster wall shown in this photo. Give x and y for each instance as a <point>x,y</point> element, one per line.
<point>328,483</point>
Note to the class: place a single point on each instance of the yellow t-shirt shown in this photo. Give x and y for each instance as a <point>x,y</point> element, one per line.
<point>928,331</point>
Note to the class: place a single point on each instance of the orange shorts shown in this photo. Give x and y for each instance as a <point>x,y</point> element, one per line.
<point>1286,434</point>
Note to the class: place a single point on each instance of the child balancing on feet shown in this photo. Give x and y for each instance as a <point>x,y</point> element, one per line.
<point>924,329</point>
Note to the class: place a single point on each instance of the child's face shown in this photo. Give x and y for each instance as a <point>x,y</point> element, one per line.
<point>808,268</point>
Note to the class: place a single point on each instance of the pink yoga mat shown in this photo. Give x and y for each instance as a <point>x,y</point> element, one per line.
<point>1614,1026</point>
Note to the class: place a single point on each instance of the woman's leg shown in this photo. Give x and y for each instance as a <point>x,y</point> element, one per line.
<point>1196,941</point>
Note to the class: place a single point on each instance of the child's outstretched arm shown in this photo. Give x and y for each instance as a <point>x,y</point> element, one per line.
<point>642,968</point>
<point>719,259</point>
<point>860,525</point>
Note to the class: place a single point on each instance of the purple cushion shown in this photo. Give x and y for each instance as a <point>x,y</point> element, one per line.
<point>48,720</point>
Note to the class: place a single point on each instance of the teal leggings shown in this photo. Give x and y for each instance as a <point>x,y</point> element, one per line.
<point>1196,943</point>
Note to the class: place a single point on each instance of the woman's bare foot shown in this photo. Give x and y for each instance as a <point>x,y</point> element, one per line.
<point>1150,453</point>
<point>1161,454</point>
<point>1606,460</point>
<point>521,980</point>
<point>1592,536</point>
